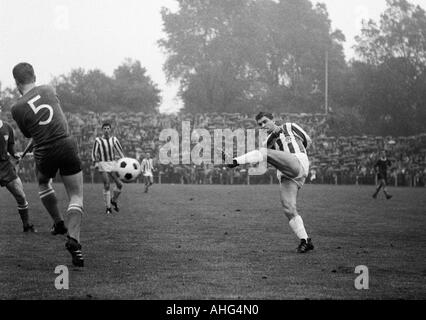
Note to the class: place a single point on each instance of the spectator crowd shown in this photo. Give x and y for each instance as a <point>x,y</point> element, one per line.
<point>334,160</point>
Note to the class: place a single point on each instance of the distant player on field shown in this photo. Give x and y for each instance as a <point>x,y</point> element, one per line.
<point>285,149</point>
<point>39,116</point>
<point>381,167</point>
<point>104,154</point>
<point>147,167</point>
<point>8,175</point>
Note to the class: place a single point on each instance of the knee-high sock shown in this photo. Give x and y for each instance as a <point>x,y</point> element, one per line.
<point>296,224</point>
<point>74,217</point>
<point>107,198</point>
<point>23,212</point>
<point>116,194</point>
<point>255,156</point>
<point>50,202</point>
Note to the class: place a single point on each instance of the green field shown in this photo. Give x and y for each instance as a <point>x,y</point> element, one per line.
<point>222,242</point>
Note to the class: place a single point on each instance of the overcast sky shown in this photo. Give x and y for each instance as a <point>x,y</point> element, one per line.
<point>59,35</point>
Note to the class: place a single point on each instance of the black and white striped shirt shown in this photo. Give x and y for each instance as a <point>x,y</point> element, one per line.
<point>292,139</point>
<point>105,150</point>
<point>147,165</point>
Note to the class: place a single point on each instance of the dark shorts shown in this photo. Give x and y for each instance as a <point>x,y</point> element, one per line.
<point>7,173</point>
<point>62,156</point>
<point>382,176</point>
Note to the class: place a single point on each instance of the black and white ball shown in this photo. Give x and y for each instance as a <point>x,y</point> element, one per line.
<point>128,169</point>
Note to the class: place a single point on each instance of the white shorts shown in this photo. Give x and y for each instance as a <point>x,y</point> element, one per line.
<point>148,174</point>
<point>303,170</point>
<point>107,166</point>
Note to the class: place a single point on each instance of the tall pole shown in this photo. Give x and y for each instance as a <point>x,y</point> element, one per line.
<point>326,82</point>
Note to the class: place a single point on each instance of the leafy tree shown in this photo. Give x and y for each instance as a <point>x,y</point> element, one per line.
<point>81,90</point>
<point>134,89</point>
<point>7,97</point>
<point>234,55</point>
<point>130,89</point>
<point>392,70</point>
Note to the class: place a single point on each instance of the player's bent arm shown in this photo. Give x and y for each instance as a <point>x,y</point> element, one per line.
<point>11,145</point>
<point>302,133</point>
<point>95,151</point>
<point>19,119</point>
<point>308,141</point>
<point>13,153</point>
<point>118,148</point>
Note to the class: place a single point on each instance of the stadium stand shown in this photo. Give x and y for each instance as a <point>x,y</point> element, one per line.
<point>334,160</point>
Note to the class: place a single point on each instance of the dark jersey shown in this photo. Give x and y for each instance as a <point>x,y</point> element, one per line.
<point>383,166</point>
<point>7,141</point>
<point>39,116</point>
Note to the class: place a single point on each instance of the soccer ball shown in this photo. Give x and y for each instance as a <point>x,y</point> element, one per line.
<point>128,169</point>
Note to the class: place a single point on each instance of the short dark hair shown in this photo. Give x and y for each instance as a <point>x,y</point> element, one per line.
<point>106,124</point>
<point>24,73</point>
<point>264,114</point>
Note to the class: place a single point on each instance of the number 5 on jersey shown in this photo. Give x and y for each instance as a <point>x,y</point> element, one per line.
<point>40,107</point>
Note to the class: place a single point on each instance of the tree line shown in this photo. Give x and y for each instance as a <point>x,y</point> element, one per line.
<point>247,55</point>
<point>128,89</point>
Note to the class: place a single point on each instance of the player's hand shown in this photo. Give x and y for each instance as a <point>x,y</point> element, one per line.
<point>17,157</point>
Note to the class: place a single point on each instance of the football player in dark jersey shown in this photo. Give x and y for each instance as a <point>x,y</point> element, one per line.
<point>381,167</point>
<point>8,175</point>
<point>40,117</point>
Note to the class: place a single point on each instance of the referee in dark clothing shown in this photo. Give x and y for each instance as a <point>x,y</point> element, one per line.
<point>381,167</point>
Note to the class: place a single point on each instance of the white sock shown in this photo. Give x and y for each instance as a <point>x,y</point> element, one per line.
<point>296,224</point>
<point>107,198</point>
<point>255,156</point>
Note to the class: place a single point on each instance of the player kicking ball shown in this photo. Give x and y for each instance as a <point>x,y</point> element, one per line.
<point>147,167</point>
<point>285,149</point>
<point>8,176</point>
<point>104,153</point>
<point>40,117</point>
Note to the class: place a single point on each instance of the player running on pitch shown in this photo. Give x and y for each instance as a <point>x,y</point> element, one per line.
<point>40,117</point>
<point>104,154</point>
<point>8,175</point>
<point>285,149</point>
<point>381,169</point>
<point>147,167</point>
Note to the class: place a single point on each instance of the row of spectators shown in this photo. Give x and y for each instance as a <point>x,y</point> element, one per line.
<point>341,160</point>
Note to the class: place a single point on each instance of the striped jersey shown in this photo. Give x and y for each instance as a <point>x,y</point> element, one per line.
<point>105,150</point>
<point>292,139</point>
<point>147,165</point>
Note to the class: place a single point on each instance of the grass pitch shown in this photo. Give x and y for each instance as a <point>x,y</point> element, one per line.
<point>221,242</point>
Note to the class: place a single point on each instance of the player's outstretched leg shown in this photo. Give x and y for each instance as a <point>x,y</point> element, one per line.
<point>116,192</point>
<point>286,162</point>
<point>378,188</point>
<point>16,188</point>
<point>74,187</point>
<point>290,167</point>
<point>107,192</point>
<point>148,183</point>
<point>385,191</point>
<point>289,190</point>
<point>50,202</point>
